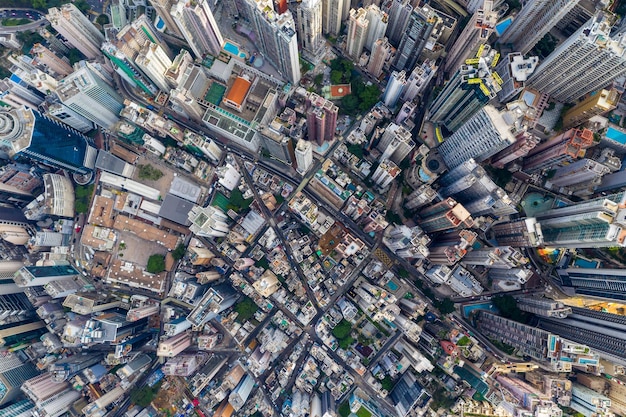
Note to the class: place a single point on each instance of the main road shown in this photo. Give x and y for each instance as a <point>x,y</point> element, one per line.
<point>37,16</point>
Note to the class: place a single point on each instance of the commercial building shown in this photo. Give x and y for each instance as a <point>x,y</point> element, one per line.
<point>154,62</point>
<point>357,33</point>
<point>309,24</point>
<point>385,173</point>
<point>239,395</point>
<point>174,345</point>
<point>74,26</point>
<point>589,402</point>
<point>544,307</point>
<point>595,282</point>
<point>476,33</point>
<point>13,373</point>
<point>28,133</point>
<point>277,144</point>
<point>585,172</point>
<point>597,103</point>
<point>503,257</point>
<point>89,95</point>
<point>422,196</point>
<point>535,19</point>
<point>56,200</point>
<point>51,398</point>
<point>399,13</point>
<point>198,26</point>
<point>29,276</point>
<point>459,279</point>
<point>416,33</point>
<point>65,368</point>
<point>163,9</point>
<point>408,394</point>
<point>483,135</point>
<point>469,89</point>
<point>65,115</point>
<point>407,242</point>
<point>587,61</point>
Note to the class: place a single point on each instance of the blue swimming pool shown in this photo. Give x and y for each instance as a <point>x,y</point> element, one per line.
<point>584,263</point>
<point>233,49</point>
<point>616,135</point>
<point>392,286</point>
<point>467,309</point>
<point>502,26</point>
<point>160,24</point>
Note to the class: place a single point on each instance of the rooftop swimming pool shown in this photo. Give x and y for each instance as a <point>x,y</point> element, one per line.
<point>160,24</point>
<point>584,263</point>
<point>616,135</point>
<point>502,26</point>
<point>233,49</point>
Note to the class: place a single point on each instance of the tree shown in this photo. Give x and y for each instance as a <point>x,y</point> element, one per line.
<point>342,329</point>
<point>245,309</point>
<point>102,20</point>
<point>179,252</point>
<point>148,172</point>
<point>156,264</point>
<point>507,306</point>
<point>74,56</point>
<point>336,77</point>
<point>446,306</point>
<point>318,79</point>
<point>346,342</point>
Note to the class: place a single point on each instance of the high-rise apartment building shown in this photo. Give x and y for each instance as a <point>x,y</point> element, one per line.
<point>128,70</point>
<point>395,87</point>
<point>601,102</point>
<point>321,118</point>
<point>480,137</point>
<point>385,173</point>
<point>535,19</point>
<point>544,307</point>
<point>584,171</point>
<point>85,92</point>
<point>309,22</point>
<point>357,33</point>
<point>50,60</point>
<point>277,38</point>
<point>277,144</point>
<point>476,33</point>
<point>514,70</point>
<point>46,141</point>
<point>51,398</point>
<point>174,345</point>
<point>208,221</point>
<point>407,242</point>
<point>304,156</point>
<point>196,22</point>
<point>445,215</point>
<point>419,79</point>
<point>154,62</point>
<point>502,257</point>
<point>214,301</point>
<point>74,26</point>
<point>331,16</point>
<point>521,233</point>
<point>163,9</point>
<point>587,61</point>
<point>396,143</point>
<point>560,149</point>
<point>469,89</point>
<point>377,26</point>
<point>399,13</point>
<point>423,195</point>
<point>597,282</point>
<point>381,51</point>
<point>65,115</point>
<point>419,27</point>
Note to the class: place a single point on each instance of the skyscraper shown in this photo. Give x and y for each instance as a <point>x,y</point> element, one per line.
<point>416,33</point>
<point>560,149</point>
<point>331,16</point>
<point>85,92</point>
<point>395,87</point>
<point>514,70</point>
<point>399,13</point>
<point>128,70</point>
<point>357,33</point>
<point>304,156</point>
<point>208,221</point>
<point>13,373</point>
<point>469,89</point>
<point>535,19</point>
<point>396,143</point>
<point>309,20</point>
<point>197,24</point>
<point>481,136</point>
<point>321,119</point>
<point>419,79</point>
<point>277,38</point>
<point>74,26</point>
<point>154,62</point>
<point>596,282</point>
<point>445,215</point>
<point>601,102</point>
<point>377,25</point>
<point>50,60</point>
<point>381,50</point>
<point>163,8</point>
<point>519,233</point>
<point>28,133</point>
<point>587,61</point>
<point>476,33</point>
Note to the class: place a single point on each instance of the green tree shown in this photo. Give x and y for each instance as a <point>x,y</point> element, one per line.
<point>245,309</point>
<point>148,172</point>
<point>74,56</point>
<point>507,306</point>
<point>446,306</point>
<point>342,329</point>
<point>102,19</point>
<point>336,77</point>
<point>156,264</point>
<point>346,342</point>
<point>179,252</point>
<point>318,79</point>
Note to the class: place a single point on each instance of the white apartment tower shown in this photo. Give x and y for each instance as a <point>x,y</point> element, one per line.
<point>74,26</point>
<point>587,61</point>
<point>514,70</point>
<point>154,62</point>
<point>395,87</point>
<point>163,8</point>
<point>85,92</point>
<point>304,155</point>
<point>419,79</point>
<point>396,143</point>
<point>197,24</point>
<point>331,16</point>
<point>381,50</point>
<point>476,33</point>
<point>535,19</point>
<point>309,16</point>
<point>357,33</point>
<point>377,25</point>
